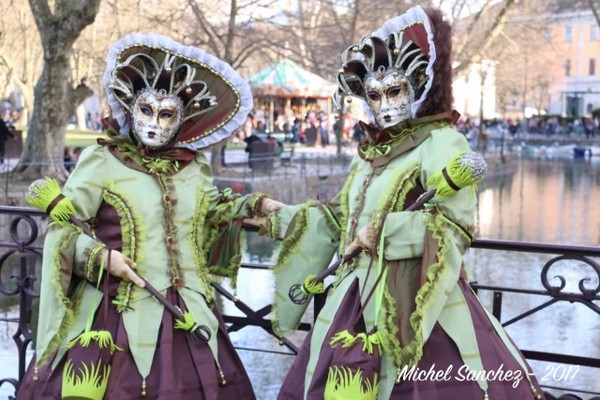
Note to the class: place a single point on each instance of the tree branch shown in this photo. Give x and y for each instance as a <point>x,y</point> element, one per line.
<point>78,95</point>
<point>75,16</point>
<point>493,32</point>
<point>211,33</point>
<point>595,10</point>
<point>41,13</point>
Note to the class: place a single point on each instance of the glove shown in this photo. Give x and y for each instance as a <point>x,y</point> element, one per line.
<point>122,267</point>
<point>268,205</point>
<point>363,240</point>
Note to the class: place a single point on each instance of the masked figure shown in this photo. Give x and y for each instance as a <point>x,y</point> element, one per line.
<point>400,320</point>
<point>147,194</point>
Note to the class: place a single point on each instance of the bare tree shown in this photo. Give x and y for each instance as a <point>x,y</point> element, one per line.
<point>592,5</point>
<point>478,32</point>
<point>234,31</point>
<point>595,7</point>
<point>19,54</point>
<point>55,97</point>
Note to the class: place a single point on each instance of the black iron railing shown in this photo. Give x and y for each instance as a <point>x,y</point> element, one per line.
<point>23,248</point>
<point>587,259</point>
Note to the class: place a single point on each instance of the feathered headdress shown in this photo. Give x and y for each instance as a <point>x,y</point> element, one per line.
<point>215,99</point>
<point>418,45</point>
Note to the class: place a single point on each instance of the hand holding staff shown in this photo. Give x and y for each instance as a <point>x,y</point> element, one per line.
<point>465,169</point>
<point>45,194</point>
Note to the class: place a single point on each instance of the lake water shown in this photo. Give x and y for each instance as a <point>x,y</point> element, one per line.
<point>550,201</point>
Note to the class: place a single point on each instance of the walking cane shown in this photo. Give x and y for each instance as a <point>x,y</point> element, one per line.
<point>45,194</point>
<point>465,169</point>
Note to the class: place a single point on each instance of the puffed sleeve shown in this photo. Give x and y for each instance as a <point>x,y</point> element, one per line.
<point>310,237</point>
<point>84,188</point>
<point>404,231</point>
<point>69,256</point>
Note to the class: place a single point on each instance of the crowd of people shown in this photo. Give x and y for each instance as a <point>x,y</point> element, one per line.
<point>315,128</point>
<point>552,126</point>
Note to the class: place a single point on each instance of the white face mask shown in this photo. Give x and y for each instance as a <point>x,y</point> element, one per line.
<point>156,118</point>
<point>390,97</point>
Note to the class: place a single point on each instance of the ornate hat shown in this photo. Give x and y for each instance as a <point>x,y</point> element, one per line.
<point>215,99</point>
<point>416,44</point>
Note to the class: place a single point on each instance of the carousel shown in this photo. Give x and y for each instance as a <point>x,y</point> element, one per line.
<point>287,89</point>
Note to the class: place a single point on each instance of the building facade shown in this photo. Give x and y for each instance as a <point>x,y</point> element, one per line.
<point>576,89</point>
<point>545,63</point>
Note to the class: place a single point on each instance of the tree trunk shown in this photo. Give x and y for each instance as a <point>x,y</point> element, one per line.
<point>44,147</point>
<point>81,118</point>
<point>55,100</point>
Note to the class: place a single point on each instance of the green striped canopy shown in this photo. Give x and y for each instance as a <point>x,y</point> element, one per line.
<point>285,78</point>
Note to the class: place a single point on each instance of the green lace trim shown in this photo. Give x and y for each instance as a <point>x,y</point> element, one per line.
<point>154,165</point>
<point>197,238</point>
<point>289,245</point>
<point>170,231</point>
<point>69,318</point>
<point>405,184</point>
<point>345,207</point>
<point>371,150</point>
<point>413,352</point>
<point>131,230</point>
<point>255,202</point>
<point>224,212</point>
<point>95,262</point>
<point>330,218</point>
<point>274,225</point>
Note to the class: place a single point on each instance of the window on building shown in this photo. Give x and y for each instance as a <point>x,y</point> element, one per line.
<point>592,66</point>
<point>567,67</point>
<point>568,34</point>
<point>548,35</point>
<point>594,33</point>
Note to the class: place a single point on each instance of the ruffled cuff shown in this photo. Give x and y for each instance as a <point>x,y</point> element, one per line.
<point>91,256</point>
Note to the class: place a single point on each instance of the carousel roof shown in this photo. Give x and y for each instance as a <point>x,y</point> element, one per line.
<point>285,78</point>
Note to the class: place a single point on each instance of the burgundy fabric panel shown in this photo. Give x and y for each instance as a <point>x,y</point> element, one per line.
<point>440,354</point>
<point>413,195</point>
<point>292,387</point>
<point>344,316</point>
<point>108,227</point>
<point>352,357</point>
<point>181,370</point>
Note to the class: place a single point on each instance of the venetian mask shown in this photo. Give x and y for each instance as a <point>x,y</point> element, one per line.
<point>156,118</point>
<point>390,96</point>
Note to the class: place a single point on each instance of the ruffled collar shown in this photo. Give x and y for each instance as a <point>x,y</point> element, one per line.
<point>165,162</point>
<point>382,145</point>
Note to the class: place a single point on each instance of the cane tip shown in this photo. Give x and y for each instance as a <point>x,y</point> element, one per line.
<point>41,192</point>
<point>476,166</point>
